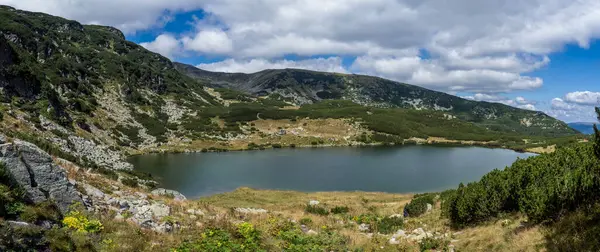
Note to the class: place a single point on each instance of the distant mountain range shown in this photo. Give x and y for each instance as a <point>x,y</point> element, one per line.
<point>583,127</point>
<point>306,87</point>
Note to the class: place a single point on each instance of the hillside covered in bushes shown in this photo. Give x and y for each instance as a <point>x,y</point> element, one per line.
<point>559,189</point>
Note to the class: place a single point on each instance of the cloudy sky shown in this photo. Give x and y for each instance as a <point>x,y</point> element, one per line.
<point>533,54</point>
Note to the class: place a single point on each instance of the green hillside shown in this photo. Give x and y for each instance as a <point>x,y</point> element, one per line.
<point>306,87</point>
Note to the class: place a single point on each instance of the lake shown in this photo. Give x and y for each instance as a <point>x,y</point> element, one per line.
<point>407,169</point>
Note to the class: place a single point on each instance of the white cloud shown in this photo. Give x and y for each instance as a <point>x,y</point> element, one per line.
<point>212,41</point>
<point>164,44</point>
<point>331,64</point>
<point>527,106</point>
<point>127,15</point>
<point>575,106</point>
<point>560,104</point>
<point>583,97</point>
<point>471,46</point>
<point>435,74</point>
<point>571,112</point>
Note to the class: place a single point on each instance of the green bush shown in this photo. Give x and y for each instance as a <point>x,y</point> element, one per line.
<point>305,221</point>
<point>389,225</point>
<point>40,212</point>
<point>213,239</point>
<point>293,239</point>
<point>276,146</point>
<point>340,210</point>
<point>418,206</point>
<point>431,243</point>
<point>108,173</point>
<point>315,209</point>
<point>131,182</point>
<point>543,187</point>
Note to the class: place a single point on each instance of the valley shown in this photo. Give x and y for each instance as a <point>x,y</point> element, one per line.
<point>79,102</point>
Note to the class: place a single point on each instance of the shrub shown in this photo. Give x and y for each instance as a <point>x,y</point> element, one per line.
<point>318,210</point>
<point>418,206</point>
<point>108,173</point>
<point>388,225</point>
<point>214,239</point>
<point>250,235</point>
<point>340,210</point>
<point>431,243</point>
<point>78,221</point>
<point>305,221</point>
<point>131,182</point>
<point>40,212</point>
<point>295,240</point>
<point>365,218</point>
<point>276,146</point>
<point>543,187</point>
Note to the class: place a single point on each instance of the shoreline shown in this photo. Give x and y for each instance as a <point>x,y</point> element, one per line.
<point>425,142</point>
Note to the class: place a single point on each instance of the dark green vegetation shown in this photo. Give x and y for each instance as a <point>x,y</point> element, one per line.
<point>543,187</point>
<point>306,87</point>
<point>245,237</point>
<point>392,125</point>
<point>418,206</point>
<point>558,189</point>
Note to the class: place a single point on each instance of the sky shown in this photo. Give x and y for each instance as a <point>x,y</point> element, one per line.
<point>540,55</point>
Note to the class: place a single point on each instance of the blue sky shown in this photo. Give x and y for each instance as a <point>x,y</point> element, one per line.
<point>532,54</point>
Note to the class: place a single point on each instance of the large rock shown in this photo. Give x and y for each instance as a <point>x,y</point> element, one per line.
<point>33,169</point>
<point>169,193</point>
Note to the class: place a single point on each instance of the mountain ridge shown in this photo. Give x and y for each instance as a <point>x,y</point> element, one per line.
<point>307,87</point>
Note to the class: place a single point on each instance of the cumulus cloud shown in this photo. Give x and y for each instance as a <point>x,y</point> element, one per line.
<point>453,46</point>
<point>129,16</point>
<point>165,44</point>
<point>435,74</point>
<point>212,41</point>
<point>583,97</point>
<point>571,109</point>
<point>331,64</point>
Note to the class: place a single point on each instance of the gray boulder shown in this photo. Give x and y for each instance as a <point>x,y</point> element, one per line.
<point>169,193</point>
<point>33,170</point>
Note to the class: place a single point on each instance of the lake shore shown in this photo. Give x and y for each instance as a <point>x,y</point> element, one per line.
<point>433,141</point>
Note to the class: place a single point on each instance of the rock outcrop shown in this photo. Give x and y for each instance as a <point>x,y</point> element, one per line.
<point>32,169</point>
<point>169,193</point>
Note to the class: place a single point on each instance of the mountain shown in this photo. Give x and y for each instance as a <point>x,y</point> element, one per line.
<point>85,93</point>
<point>583,127</point>
<point>306,87</point>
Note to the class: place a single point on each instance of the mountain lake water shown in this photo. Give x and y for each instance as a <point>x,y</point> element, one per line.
<point>407,169</point>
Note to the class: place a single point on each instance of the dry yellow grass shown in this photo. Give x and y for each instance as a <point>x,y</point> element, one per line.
<point>495,236</point>
<point>542,150</point>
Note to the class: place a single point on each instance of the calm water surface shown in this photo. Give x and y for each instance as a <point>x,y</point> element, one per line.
<point>381,169</point>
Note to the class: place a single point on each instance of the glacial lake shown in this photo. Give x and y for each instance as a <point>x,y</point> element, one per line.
<point>407,169</point>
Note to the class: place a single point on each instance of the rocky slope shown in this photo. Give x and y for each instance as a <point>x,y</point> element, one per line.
<point>306,87</point>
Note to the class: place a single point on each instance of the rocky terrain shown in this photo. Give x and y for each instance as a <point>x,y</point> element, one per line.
<point>76,100</point>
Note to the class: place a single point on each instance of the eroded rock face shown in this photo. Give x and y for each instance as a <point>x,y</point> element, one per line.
<point>33,170</point>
